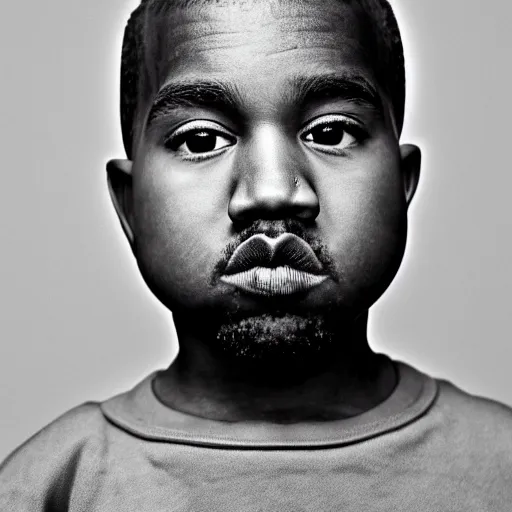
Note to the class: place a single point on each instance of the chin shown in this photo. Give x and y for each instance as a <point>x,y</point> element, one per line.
<point>271,338</point>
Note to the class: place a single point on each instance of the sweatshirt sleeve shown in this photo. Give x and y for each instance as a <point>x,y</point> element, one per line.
<point>38,476</point>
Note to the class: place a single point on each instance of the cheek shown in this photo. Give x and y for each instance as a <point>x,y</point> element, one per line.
<point>179,235</point>
<point>365,219</point>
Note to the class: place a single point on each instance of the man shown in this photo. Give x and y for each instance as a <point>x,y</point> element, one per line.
<point>265,198</point>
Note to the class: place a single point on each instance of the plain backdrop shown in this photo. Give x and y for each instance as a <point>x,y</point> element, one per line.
<point>77,323</point>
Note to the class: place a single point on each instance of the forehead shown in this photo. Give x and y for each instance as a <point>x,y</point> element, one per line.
<point>255,42</point>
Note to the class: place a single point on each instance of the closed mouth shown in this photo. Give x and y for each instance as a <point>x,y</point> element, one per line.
<point>274,266</point>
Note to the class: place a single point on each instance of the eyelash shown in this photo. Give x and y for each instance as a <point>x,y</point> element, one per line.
<point>178,137</point>
<point>349,126</point>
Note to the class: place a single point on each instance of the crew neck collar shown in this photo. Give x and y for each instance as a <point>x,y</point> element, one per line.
<point>140,413</point>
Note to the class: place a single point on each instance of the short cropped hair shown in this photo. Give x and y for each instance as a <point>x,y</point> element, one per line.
<point>386,50</point>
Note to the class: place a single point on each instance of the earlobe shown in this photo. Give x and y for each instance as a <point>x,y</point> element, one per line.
<point>119,179</point>
<point>410,166</point>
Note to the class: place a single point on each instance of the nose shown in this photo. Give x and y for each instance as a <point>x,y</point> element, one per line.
<point>271,180</point>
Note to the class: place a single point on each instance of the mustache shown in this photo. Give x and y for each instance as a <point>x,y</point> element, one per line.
<point>274,229</point>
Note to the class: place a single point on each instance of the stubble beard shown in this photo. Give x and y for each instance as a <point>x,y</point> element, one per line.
<point>285,333</point>
<point>276,339</point>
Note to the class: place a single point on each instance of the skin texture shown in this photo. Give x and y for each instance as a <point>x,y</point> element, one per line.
<point>185,217</point>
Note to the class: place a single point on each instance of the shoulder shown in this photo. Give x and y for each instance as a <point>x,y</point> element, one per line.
<point>46,461</point>
<point>79,424</point>
<point>473,422</point>
<point>477,411</point>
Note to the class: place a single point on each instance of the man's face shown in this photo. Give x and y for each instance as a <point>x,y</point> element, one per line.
<point>267,127</point>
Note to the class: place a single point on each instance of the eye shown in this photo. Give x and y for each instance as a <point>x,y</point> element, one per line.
<point>199,140</point>
<point>333,134</point>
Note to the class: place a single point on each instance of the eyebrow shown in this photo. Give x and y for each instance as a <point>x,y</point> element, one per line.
<point>301,91</point>
<point>197,93</point>
<point>347,87</point>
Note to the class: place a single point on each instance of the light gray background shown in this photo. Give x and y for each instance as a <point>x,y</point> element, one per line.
<point>77,323</point>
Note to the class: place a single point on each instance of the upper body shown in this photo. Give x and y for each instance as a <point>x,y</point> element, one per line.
<point>265,196</point>
<point>428,447</point>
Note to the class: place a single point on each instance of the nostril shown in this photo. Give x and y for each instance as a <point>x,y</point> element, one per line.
<point>308,212</point>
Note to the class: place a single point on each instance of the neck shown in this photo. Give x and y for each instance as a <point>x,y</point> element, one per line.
<point>343,382</point>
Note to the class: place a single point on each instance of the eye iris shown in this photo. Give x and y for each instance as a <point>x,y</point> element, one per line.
<point>201,142</point>
<point>328,134</point>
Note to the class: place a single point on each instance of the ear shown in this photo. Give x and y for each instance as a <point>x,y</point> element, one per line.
<point>119,179</point>
<point>411,164</point>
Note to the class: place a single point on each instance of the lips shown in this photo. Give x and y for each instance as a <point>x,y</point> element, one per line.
<point>274,266</point>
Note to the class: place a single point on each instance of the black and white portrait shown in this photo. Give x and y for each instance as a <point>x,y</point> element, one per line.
<point>256,256</point>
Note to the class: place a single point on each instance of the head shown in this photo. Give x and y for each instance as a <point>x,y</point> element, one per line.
<point>264,135</point>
